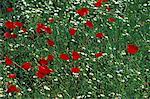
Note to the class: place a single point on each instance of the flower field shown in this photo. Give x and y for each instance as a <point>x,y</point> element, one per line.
<point>74,49</point>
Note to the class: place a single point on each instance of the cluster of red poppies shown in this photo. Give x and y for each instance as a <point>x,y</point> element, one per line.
<point>12,25</point>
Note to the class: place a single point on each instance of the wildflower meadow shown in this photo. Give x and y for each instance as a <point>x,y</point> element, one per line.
<point>74,49</point>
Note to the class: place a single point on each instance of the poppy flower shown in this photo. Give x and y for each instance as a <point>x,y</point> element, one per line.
<point>98,3</point>
<point>51,20</point>
<point>26,65</point>
<point>64,57</point>
<point>45,70</point>
<point>40,75</point>
<point>10,9</point>
<point>14,36</point>
<point>50,42</point>
<point>75,55</point>
<point>50,57</point>
<point>12,88</point>
<point>7,35</point>
<point>18,24</point>
<point>10,25</point>
<point>89,24</point>
<point>8,61</point>
<point>132,49</point>
<point>100,35</point>
<point>47,30</point>
<point>75,70</point>
<point>100,54</point>
<point>111,19</point>
<point>40,25</point>
<point>38,30</point>
<point>13,76</point>
<point>72,31</point>
<point>83,11</point>
<point>43,61</point>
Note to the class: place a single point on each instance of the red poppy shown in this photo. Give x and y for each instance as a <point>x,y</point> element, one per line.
<point>64,57</point>
<point>18,24</point>
<point>75,70</point>
<point>98,3</point>
<point>51,20</point>
<point>50,42</point>
<point>10,25</point>
<point>111,19</point>
<point>38,30</point>
<point>45,70</point>
<point>83,11</point>
<point>108,8</point>
<point>75,55</point>
<point>8,61</point>
<point>100,54</point>
<point>7,35</point>
<point>13,76</point>
<point>40,75</point>
<point>50,57</point>
<point>10,9</point>
<point>100,35</point>
<point>12,88</point>
<point>43,61</point>
<point>40,25</point>
<point>26,65</point>
<point>47,30</point>
<point>72,31</point>
<point>89,24</point>
<point>132,49</point>
<point>14,36</point>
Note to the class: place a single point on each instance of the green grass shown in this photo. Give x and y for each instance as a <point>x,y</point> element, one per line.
<point>111,76</point>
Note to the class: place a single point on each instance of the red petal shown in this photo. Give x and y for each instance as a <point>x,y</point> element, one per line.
<point>83,12</point>
<point>8,61</point>
<point>100,35</point>
<point>72,31</point>
<point>14,36</point>
<point>45,70</point>
<point>64,57</point>
<point>98,3</point>
<point>40,75</point>
<point>132,49</point>
<point>10,9</point>
<point>43,61</point>
<point>7,35</point>
<point>47,30</point>
<point>75,55</point>
<point>18,24</point>
<point>75,70</point>
<point>13,76</point>
<point>51,20</point>
<point>26,65</point>
<point>50,42</point>
<point>13,88</point>
<point>89,24</point>
<point>111,19</point>
<point>50,57</point>
<point>10,25</point>
<point>99,54</point>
